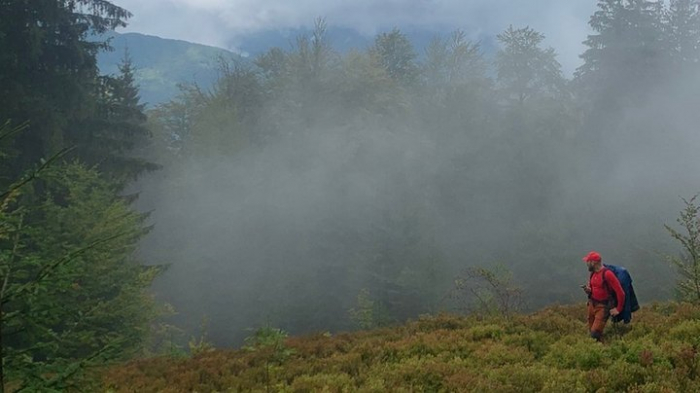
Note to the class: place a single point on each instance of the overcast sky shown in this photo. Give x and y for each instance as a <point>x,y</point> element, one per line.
<point>224,22</point>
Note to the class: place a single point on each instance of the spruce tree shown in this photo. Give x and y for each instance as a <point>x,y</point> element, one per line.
<point>48,70</point>
<point>110,138</point>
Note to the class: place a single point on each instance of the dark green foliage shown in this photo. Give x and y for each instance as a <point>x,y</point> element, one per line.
<point>47,68</point>
<point>108,139</point>
<point>49,75</point>
<point>71,295</point>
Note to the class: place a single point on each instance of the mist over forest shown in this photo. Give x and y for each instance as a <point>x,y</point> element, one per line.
<point>316,189</point>
<point>311,177</point>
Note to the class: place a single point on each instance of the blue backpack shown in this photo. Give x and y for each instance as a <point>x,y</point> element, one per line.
<point>631,303</point>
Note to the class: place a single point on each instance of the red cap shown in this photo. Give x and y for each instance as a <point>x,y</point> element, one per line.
<point>592,257</point>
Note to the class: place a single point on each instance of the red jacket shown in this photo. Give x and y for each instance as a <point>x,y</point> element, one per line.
<point>600,292</point>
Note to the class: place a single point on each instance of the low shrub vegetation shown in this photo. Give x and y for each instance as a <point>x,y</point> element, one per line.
<point>548,351</point>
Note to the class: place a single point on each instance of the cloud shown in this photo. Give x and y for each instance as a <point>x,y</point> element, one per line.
<point>220,22</point>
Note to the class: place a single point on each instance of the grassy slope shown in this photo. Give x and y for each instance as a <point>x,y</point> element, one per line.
<point>545,351</point>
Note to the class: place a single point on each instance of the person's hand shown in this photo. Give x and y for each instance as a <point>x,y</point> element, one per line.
<point>587,289</point>
<point>614,312</point>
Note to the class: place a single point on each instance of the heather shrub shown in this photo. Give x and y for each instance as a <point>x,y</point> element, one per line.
<point>499,354</point>
<point>555,323</point>
<point>569,381</point>
<point>483,332</point>
<point>576,352</point>
<point>322,383</point>
<point>687,331</point>
<point>520,378</point>
<point>653,387</point>
<point>537,343</point>
<point>621,374</point>
<point>521,354</point>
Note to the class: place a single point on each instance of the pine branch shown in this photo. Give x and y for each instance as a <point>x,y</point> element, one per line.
<point>13,131</point>
<point>35,174</point>
<point>46,270</point>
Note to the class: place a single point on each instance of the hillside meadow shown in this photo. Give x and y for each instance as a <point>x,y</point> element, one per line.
<point>548,351</point>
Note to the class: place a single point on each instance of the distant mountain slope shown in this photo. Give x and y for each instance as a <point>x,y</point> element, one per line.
<point>163,63</point>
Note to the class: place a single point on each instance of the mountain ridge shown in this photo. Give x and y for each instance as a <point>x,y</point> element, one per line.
<point>162,64</point>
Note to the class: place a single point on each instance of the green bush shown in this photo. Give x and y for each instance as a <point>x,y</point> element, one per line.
<point>322,383</point>
<point>576,352</point>
<point>537,343</point>
<point>484,332</point>
<point>569,381</point>
<point>687,332</point>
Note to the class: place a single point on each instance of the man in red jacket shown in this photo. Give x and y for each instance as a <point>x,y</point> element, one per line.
<point>605,295</point>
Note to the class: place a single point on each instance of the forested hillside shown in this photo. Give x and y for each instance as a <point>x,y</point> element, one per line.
<point>162,64</point>
<point>317,190</point>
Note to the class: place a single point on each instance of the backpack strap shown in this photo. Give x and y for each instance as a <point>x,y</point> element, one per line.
<point>603,269</point>
<point>605,282</point>
<point>611,294</point>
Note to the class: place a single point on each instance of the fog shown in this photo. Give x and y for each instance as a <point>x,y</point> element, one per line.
<point>229,23</point>
<point>288,195</point>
